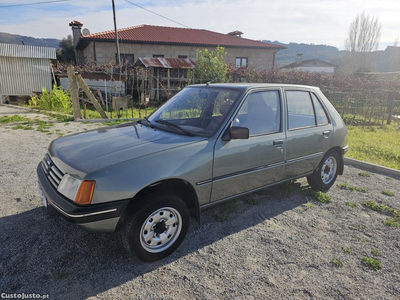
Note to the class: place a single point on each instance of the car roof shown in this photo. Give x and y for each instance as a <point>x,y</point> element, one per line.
<point>246,86</point>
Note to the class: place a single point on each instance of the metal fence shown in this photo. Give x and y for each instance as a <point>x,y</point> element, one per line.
<point>364,107</point>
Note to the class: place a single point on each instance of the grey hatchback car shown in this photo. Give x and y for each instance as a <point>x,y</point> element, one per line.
<point>207,144</point>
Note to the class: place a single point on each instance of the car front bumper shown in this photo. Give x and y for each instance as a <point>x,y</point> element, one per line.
<point>98,217</point>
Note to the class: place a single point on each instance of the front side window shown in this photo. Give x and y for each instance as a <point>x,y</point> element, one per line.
<point>260,113</point>
<point>197,110</point>
<point>322,118</point>
<point>300,109</point>
<point>241,62</point>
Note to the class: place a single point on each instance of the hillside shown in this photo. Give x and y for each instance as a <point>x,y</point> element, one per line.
<point>18,39</point>
<point>323,52</point>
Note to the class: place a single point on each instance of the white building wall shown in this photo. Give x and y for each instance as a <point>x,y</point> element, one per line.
<point>317,69</point>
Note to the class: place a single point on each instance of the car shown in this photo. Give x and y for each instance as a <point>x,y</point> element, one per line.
<point>207,144</point>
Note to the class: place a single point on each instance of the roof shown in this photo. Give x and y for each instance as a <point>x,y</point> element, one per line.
<point>247,86</point>
<point>15,50</point>
<point>149,34</point>
<point>167,63</point>
<point>306,63</point>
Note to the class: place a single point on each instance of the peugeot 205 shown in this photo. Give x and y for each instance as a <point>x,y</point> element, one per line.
<point>207,144</point>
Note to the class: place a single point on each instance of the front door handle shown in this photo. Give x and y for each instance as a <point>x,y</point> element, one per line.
<point>278,144</point>
<point>326,133</point>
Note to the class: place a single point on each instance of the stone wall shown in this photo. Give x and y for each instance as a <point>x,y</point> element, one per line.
<point>261,59</point>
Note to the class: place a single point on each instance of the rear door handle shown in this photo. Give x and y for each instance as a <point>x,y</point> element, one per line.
<point>278,144</point>
<point>326,134</point>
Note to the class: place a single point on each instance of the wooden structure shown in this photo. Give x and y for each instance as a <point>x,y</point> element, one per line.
<point>160,78</point>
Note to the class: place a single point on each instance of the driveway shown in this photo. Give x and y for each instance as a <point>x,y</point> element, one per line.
<point>276,244</point>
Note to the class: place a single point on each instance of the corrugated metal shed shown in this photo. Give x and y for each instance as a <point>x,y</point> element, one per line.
<point>24,69</point>
<point>167,63</point>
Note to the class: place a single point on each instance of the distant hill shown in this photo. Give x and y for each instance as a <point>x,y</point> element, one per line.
<point>18,39</point>
<point>323,52</point>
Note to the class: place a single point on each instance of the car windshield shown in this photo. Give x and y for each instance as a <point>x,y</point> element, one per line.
<point>195,111</point>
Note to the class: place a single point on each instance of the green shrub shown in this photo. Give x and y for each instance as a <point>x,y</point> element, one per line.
<point>337,262</point>
<point>372,263</point>
<point>57,100</point>
<point>351,204</point>
<point>375,252</point>
<point>388,193</point>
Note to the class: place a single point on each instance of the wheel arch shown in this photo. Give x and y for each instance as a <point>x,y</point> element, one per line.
<point>180,187</point>
<point>339,152</point>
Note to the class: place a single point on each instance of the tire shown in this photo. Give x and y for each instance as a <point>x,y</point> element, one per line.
<point>156,227</point>
<point>324,176</point>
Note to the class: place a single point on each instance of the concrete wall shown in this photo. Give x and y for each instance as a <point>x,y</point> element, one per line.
<point>261,59</point>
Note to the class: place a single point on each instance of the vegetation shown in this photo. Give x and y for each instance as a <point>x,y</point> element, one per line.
<point>351,204</point>
<point>375,144</point>
<point>393,220</point>
<point>55,100</point>
<point>372,263</point>
<point>375,252</point>
<point>364,174</point>
<point>347,250</point>
<point>337,262</point>
<point>13,119</point>
<point>210,66</point>
<point>317,195</point>
<point>345,186</point>
<point>66,51</point>
<point>388,193</point>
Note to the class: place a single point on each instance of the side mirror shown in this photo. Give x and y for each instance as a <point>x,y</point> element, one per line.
<point>236,133</point>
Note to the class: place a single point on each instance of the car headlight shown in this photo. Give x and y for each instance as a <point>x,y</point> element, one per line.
<point>69,186</point>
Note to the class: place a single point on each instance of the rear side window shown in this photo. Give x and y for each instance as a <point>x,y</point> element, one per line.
<point>300,109</point>
<point>322,118</point>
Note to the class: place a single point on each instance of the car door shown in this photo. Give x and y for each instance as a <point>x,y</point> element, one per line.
<point>308,132</point>
<point>243,165</point>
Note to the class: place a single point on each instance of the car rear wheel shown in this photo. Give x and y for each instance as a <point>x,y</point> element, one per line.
<point>157,227</point>
<point>324,176</point>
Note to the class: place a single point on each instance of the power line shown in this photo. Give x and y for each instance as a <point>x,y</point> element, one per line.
<point>156,13</point>
<point>35,3</point>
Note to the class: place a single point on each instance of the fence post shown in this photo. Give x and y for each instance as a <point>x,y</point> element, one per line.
<point>392,96</point>
<point>73,88</point>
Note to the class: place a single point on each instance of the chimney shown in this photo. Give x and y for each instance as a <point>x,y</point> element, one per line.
<point>299,58</point>
<point>76,27</point>
<point>236,33</point>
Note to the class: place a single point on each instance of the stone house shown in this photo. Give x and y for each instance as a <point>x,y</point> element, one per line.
<point>170,42</point>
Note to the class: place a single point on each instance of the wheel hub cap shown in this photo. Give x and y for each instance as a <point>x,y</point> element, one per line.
<point>328,170</point>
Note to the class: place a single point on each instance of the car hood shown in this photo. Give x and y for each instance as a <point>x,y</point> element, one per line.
<point>93,150</point>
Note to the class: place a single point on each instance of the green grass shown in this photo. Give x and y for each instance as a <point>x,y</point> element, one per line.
<point>337,262</point>
<point>375,252</point>
<point>393,220</point>
<point>388,193</point>
<point>347,250</point>
<point>13,119</point>
<point>372,263</point>
<point>375,144</point>
<point>345,186</point>
<point>317,195</point>
<point>351,204</point>
<point>364,174</point>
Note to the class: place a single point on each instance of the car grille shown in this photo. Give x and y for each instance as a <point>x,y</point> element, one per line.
<point>52,172</point>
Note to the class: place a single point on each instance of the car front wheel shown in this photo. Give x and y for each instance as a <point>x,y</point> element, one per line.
<point>157,227</point>
<point>324,176</point>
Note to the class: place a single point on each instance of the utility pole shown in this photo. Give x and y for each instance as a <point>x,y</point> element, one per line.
<point>118,58</point>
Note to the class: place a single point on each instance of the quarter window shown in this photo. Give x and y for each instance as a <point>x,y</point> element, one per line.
<point>322,118</point>
<point>260,113</point>
<point>300,109</point>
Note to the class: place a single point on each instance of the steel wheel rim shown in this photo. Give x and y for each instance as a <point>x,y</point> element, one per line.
<point>328,170</point>
<point>161,229</point>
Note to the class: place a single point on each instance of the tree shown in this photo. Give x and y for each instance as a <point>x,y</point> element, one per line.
<point>210,66</point>
<point>66,53</point>
<point>364,37</point>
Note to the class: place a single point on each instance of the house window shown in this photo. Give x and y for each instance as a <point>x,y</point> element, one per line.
<point>241,61</point>
<point>182,56</point>
<point>125,58</point>
<point>158,55</point>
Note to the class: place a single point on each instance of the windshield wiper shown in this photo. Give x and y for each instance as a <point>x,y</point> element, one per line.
<point>147,120</point>
<point>174,125</point>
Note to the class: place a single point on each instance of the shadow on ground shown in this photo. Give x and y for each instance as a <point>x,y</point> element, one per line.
<point>42,253</point>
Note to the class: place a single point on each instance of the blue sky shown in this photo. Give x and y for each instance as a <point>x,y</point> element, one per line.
<point>307,21</point>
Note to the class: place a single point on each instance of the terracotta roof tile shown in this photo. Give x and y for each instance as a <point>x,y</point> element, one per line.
<point>175,35</point>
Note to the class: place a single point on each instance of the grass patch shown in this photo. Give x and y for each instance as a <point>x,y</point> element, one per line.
<point>66,123</point>
<point>375,144</point>
<point>345,186</point>
<point>375,252</point>
<point>308,205</point>
<point>372,263</point>
<point>388,193</point>
<point>392,221</point>
<point>337,262</point>
<point>347,250</point>
<point>317,195</point>
<point>13,119</point>
<point>351,204</point>
<point>364,174</point>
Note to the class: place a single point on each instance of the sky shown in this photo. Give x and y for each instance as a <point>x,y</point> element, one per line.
<point>301,21</point>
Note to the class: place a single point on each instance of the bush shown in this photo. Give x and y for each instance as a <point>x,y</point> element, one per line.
<point>56,100</point>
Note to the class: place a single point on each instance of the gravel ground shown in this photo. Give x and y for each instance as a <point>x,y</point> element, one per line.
<point>275,244</point>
